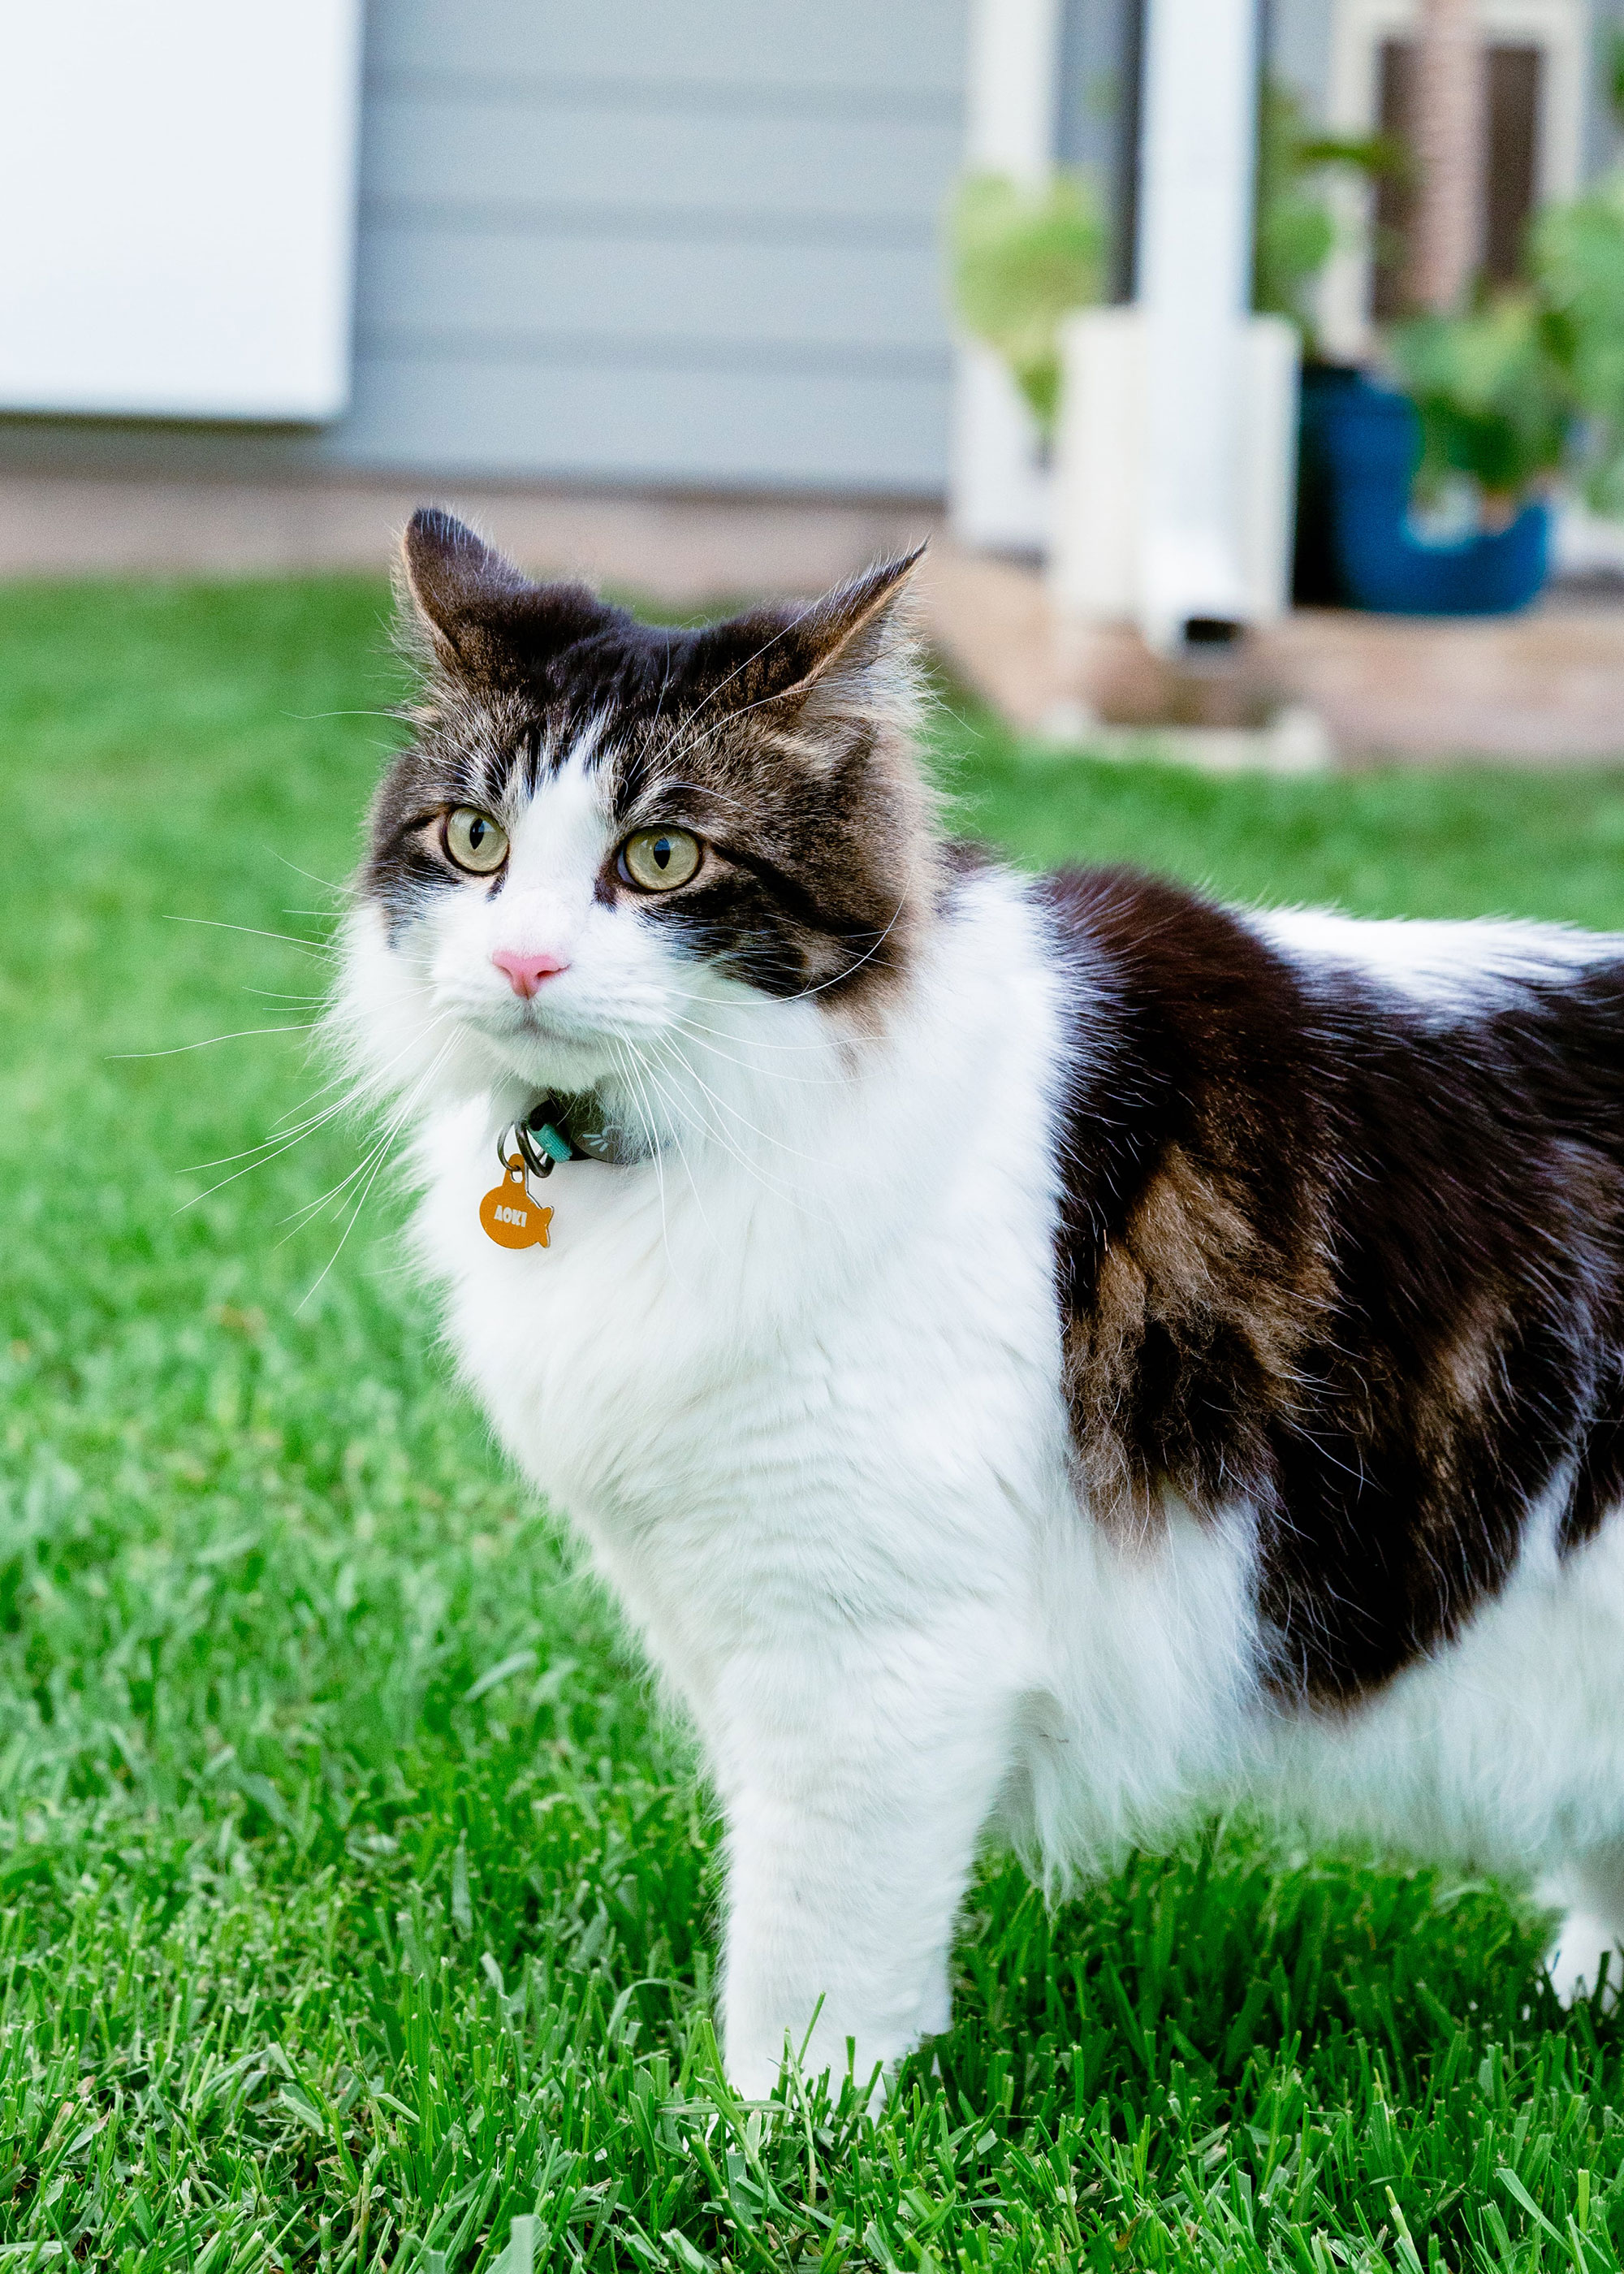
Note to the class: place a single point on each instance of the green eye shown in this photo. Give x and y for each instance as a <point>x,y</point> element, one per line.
<point>474,841</point>
<point>659,860</point>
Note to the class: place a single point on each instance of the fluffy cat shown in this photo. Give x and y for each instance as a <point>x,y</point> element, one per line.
<point>1049,1355</point>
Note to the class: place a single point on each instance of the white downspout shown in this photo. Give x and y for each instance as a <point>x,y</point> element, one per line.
<point>1198,138</point>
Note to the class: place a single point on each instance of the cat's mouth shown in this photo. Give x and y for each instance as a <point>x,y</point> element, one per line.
<point>544,1043</point>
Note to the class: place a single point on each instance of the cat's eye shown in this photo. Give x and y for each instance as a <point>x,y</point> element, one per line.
<point>659,860</point>
<point>474,841</point>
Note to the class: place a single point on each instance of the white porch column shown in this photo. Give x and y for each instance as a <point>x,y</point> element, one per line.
<point>1195,260</point>
<point>1000,491</point>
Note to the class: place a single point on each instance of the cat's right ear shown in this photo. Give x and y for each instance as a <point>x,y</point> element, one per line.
<point>482,617</point>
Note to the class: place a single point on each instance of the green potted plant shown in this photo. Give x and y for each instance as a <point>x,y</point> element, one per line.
<point>1576,257</point>
<point>1494,402</point>
<point>1019,260</point>
<point>1294,233</point>
<point>1500,400</point>
<point>1480,412</point>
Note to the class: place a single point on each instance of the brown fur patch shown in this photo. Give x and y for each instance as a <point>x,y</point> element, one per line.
<point>1362,1273</point>
<point>1189,1268</point>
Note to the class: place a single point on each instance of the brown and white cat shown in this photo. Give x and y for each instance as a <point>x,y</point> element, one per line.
<point>1044,1353</point>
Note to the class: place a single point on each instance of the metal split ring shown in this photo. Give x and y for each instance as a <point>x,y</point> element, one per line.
<point>539,1163</point>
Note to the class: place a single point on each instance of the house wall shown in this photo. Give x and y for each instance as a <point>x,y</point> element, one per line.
<point>1097,118</point>
<point>665,240</point>
<point>1299,34</point>
<point>678,242</point>
<point>1604,146</point>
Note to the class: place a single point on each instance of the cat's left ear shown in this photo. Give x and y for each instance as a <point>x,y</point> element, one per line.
<point>852,654</point>
<point>857,633</point>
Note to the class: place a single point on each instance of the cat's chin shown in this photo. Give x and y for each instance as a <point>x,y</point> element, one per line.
<point>542,1062</point>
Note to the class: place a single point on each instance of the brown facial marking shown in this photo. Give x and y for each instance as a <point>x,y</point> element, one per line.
<point>784,739</point>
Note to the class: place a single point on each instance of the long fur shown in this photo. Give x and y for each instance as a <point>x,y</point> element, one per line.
<point>1070,1356</point>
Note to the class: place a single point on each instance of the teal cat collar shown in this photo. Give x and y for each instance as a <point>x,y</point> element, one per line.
<point>559,1129</point>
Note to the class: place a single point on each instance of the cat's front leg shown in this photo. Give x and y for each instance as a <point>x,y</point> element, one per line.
<point>854,1795</point>
<point>1590,1893</point>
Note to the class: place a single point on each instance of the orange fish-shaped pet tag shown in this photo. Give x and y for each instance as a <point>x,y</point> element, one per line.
<point>510,1217</point>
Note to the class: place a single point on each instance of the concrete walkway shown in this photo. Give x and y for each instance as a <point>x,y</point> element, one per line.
<point>1545,688</point>
<point>684,552</point>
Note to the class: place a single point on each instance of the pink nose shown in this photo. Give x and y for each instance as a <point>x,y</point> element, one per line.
<point>525,973</point>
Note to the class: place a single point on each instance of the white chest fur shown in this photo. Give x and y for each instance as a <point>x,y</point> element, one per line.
<point>805,1361</point>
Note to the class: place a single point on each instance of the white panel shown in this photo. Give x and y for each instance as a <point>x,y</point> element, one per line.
<point>1097,558</point>
<point>1097,540</point>
<point>1014,54</point>
<point>1000,481</point>
<point>178,178</point>
<point>1271,354</point>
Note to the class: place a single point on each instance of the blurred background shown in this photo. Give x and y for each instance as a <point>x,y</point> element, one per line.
<point>1257,364</point>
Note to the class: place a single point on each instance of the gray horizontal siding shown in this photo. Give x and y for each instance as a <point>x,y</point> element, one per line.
<point>693,243</point>
<point>608,420</point>
<point>904,49</point>
<point>551,290</point>
<point>555,149</point>
<point>1603,142</point>
<point>1300,49</point>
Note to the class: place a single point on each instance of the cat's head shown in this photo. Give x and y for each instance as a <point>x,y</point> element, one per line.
<point>600,828</point>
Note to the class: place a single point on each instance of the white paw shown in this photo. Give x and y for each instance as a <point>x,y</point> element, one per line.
<point>936,2017</point>
<point>1573,1960</point>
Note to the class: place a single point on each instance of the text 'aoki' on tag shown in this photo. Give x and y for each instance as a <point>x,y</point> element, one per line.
<point>509,1214</point>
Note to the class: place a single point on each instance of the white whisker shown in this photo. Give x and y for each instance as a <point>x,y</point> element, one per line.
<point>284,1141</point>
<point>381,1151</point>
<point>250,931</point>
<point>743,1120</point>
<point>344,891</point>
<point>718,1135</point>
<point>242,1034</point>
<point>783,632</point>
<point>276,1141</point>
<point>385,1137</point>
<point>770,1074</point>
<point>651,1133</point>
<point>840,976</point>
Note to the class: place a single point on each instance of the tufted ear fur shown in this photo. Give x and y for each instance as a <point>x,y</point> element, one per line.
<point>850,655</point>
<point>483,617</point>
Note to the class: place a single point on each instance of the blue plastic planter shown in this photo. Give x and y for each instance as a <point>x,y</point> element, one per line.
<point>1361,446</point>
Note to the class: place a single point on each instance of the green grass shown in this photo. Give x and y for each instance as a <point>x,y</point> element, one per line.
<point>355,1900</point>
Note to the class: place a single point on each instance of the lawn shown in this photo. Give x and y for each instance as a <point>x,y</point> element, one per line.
<point>355,1898</point>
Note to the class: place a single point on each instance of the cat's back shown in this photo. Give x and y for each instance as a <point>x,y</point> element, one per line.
<point>1342,1239</point>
